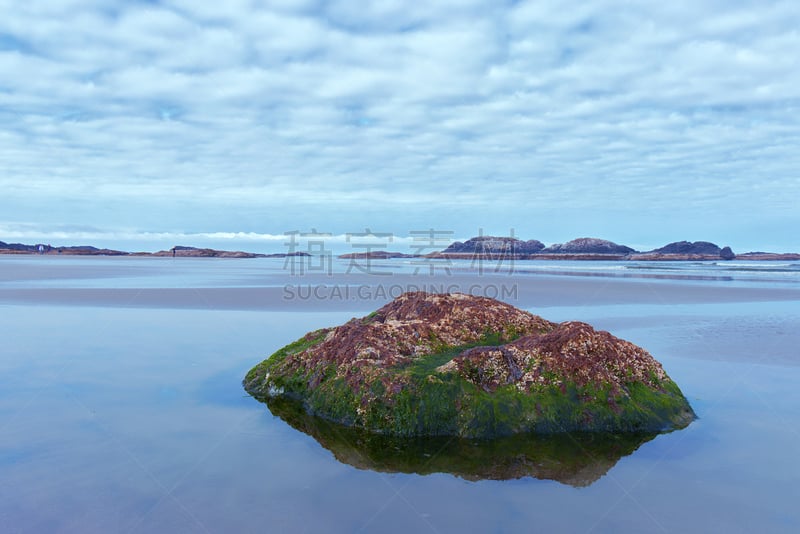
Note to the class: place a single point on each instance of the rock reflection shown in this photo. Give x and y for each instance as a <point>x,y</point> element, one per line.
<point>576,459</point>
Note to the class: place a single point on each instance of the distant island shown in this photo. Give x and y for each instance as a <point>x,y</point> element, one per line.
<point>475,248</point>
<point>584,248</point>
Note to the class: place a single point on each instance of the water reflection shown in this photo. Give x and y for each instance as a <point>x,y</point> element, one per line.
<point>577,459</point>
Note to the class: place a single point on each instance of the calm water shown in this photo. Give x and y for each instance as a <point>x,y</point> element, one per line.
<point>133,419</point>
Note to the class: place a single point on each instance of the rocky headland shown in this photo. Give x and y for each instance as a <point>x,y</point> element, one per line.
<point>453,364</point>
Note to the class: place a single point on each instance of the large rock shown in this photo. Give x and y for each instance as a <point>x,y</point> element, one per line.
<point>453,364</point>
<point>588,245</point>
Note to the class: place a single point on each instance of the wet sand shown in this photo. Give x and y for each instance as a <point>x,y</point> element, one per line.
<point>343,292</point>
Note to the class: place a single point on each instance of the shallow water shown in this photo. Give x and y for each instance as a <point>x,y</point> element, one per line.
<point>133,419</point>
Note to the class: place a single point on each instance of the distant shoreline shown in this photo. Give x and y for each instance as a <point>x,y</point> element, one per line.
<point>174,252</point>
<point>506,252</point>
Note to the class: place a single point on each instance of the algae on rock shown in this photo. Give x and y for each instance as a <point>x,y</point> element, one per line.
<point>459,365</point>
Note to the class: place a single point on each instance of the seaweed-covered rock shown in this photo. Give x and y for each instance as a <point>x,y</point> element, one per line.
<point>453,364</point>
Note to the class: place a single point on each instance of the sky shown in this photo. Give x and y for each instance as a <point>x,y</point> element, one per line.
<point>154,123</point>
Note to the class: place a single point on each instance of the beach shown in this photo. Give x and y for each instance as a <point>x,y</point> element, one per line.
<point>121,405</point>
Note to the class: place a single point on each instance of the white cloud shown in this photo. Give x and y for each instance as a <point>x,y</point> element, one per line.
<point>399,111</point>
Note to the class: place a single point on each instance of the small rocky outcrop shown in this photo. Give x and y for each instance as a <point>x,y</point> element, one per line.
<point>688,247</point>
<point>726,253</point>
<point>453,364</point>
<point>686,250</point>
<point>588,245</point>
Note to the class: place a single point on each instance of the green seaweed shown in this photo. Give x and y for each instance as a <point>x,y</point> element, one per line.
<point>426,365</point>
<point>254,380</point>
<point>434,403</point>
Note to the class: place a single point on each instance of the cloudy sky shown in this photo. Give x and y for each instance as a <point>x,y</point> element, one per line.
<point>640,122</point>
